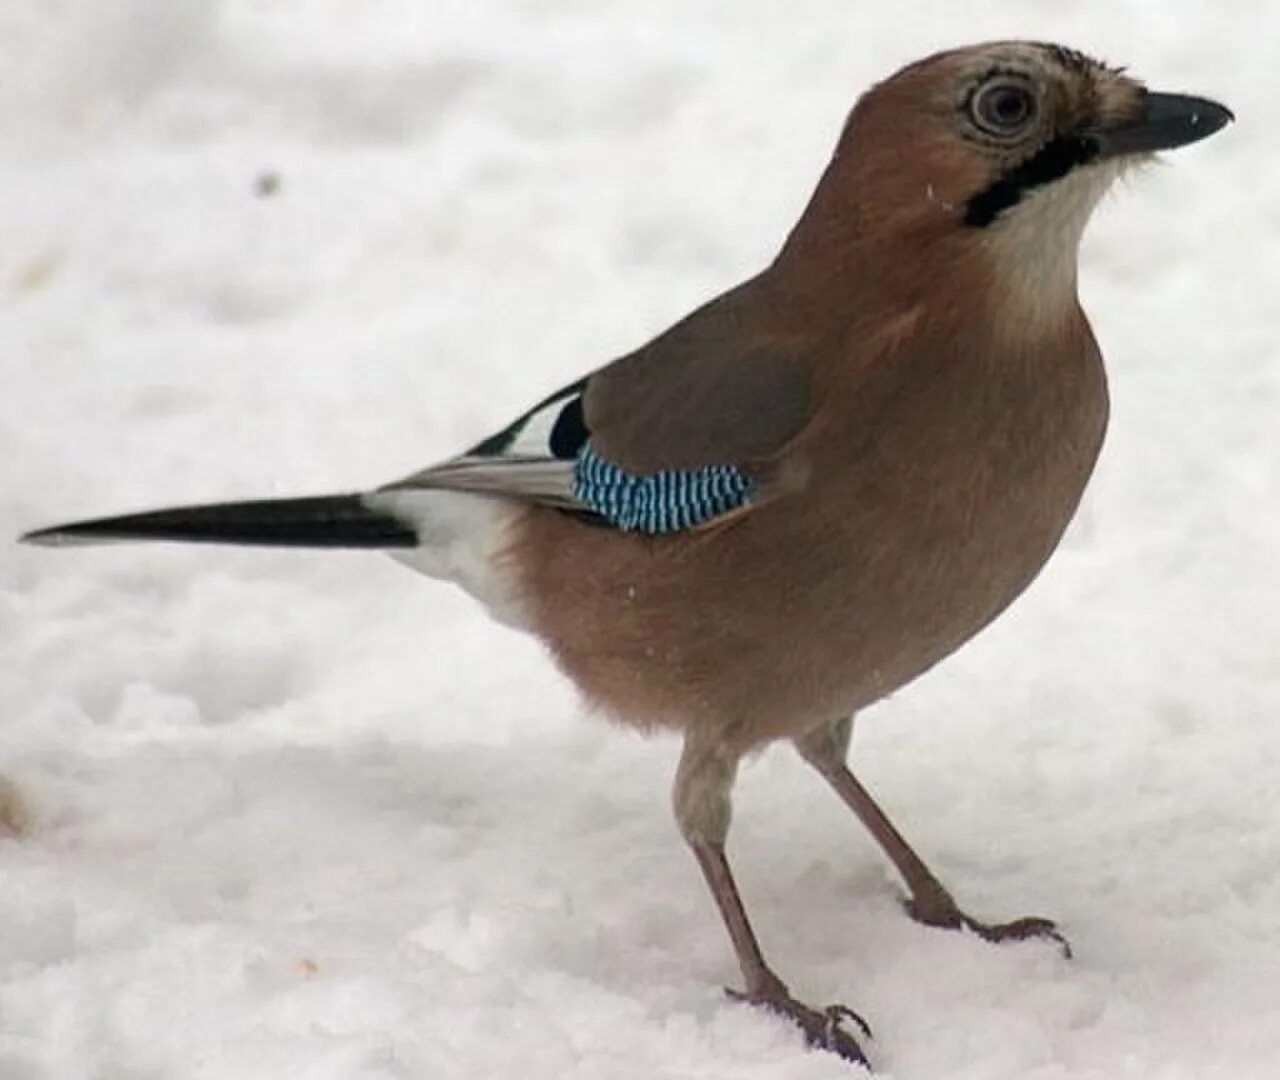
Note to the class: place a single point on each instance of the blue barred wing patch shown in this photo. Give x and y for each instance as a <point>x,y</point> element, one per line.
<point>662,502</point>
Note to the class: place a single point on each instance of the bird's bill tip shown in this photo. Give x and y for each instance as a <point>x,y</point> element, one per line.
<point>1167,121</point>
<point>75,534</point>
<point>54,537</point>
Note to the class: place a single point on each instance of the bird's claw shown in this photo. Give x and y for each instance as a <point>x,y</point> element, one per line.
<point>822,1027</point>
<point>836,1013</point>
<point>1023,929</point>
<point>952,918</point>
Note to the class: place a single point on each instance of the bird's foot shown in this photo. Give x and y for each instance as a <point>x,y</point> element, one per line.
<point>823,1028</point>
<point>946,915</point>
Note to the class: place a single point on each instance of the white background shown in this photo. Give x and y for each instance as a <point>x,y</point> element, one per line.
<point>305,815</point>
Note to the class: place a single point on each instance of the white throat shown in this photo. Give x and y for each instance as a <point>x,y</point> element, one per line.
<point>1035,245</point>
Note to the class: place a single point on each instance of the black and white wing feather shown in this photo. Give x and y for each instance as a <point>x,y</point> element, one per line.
<point>531,459</point>
<point>635,448</point>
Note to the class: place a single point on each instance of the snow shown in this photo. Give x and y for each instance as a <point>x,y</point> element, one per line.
<point>306,815</point>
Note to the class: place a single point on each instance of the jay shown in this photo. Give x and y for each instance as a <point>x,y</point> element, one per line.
<point>817,485</point>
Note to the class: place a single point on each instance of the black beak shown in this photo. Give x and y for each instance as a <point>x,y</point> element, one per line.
<point>1168,120</point>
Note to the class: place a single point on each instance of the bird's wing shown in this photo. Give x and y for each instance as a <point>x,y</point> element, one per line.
<point>664,439</point>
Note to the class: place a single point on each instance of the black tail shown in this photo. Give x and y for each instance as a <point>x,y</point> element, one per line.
<point>334,521</point>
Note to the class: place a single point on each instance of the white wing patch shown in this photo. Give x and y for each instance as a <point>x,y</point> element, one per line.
<point>533,439</point>
<point>462,509</point>
<point>532,459</point>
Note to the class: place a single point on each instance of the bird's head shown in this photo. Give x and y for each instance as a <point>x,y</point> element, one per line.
<point>1002,150</point>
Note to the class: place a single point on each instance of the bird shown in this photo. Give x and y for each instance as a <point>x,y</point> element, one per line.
<point>817,485</point>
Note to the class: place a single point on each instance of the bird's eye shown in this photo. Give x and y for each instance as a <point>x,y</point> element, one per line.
<point>1003,108</point>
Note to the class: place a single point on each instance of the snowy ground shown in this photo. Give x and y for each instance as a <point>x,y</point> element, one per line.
<point>307,816</point>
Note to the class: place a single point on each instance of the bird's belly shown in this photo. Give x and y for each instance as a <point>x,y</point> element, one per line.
<point>781,620</point>
<point>900,616</point>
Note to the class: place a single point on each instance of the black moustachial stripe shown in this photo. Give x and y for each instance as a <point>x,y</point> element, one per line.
<point>335,521</point>
<point>1051,162</point>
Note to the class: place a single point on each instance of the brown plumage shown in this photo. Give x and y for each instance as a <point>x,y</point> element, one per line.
<point>931,500</point>
<point>910,396</point>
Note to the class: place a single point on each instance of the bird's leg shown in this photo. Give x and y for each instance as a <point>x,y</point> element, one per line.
<point>703,810</point>
<point>929,902</point>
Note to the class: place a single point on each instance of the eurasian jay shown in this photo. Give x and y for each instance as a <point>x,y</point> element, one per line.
<point>816,486</point>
